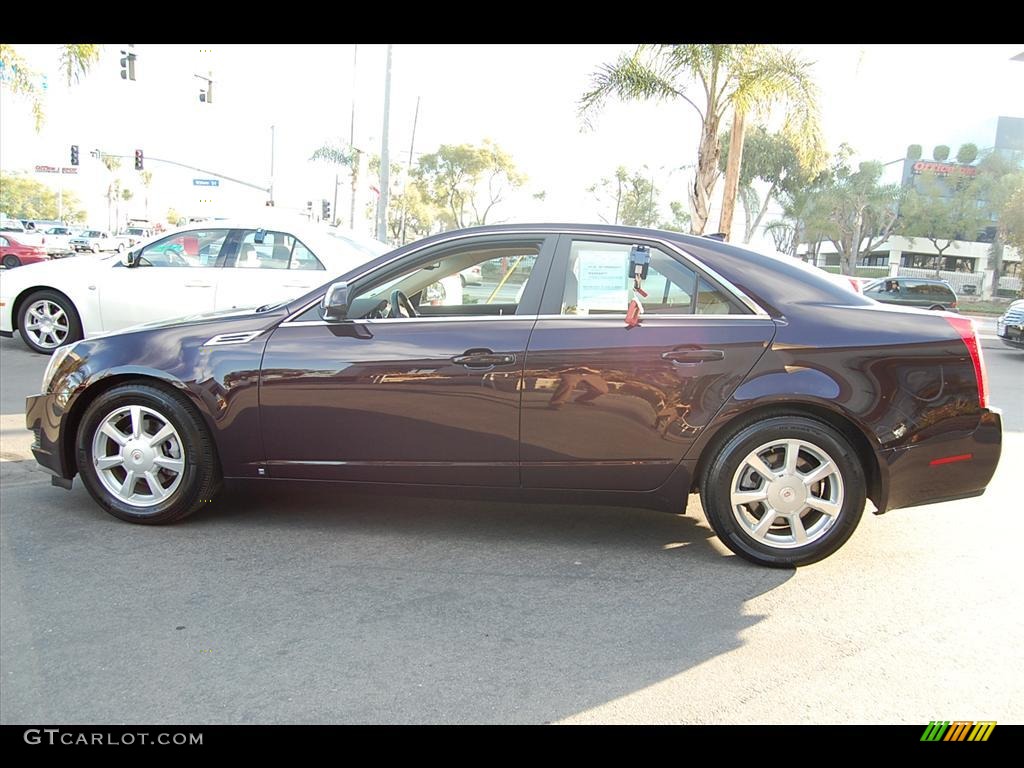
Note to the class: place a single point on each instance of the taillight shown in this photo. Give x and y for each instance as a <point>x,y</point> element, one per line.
<point>855,284</point>
<point>965,327</point>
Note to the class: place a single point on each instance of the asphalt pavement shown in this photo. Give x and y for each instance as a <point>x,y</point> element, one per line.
<point>297,604</point>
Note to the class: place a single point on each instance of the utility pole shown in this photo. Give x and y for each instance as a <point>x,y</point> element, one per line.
<point>385,162</point>
<point>353,152</point>
<point>408,170</point>
<point>271,164</point>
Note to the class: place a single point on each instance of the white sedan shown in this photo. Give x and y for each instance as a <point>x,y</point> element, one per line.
<point>204,267</point>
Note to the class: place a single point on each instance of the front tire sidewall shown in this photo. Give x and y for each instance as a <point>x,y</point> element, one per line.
<point>199,476</point>
<point>715,492</point>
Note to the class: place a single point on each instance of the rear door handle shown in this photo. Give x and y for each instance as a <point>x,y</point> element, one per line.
<point>483,358</point>
<point>685,356</point>
<point>197,284</point>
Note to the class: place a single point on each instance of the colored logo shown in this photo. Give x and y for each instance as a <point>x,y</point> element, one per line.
<point>958,730</point>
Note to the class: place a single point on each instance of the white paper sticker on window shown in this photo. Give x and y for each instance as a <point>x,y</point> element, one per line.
<point>602,282</point>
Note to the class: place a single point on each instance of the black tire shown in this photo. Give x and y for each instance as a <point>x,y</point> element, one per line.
<point>11,261</point>
<point>74,322</point>
<point>200,478</point>
<point>779,547</point>
<point>936,308</point>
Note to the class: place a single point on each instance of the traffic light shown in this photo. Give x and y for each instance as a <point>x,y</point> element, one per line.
<point>326,210</point>
<point>138,159</point>
<point>127,65</point>
<point>74,154</point>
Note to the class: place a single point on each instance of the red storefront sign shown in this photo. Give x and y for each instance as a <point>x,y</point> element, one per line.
<point>944,169</point>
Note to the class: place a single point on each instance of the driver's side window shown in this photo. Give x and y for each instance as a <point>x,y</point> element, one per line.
<point>469,281</point>
<point>195,248</point>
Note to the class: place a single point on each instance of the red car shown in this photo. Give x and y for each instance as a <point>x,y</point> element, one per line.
<point>14,254</point>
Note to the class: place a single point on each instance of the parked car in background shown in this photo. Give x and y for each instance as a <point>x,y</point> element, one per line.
<point>136,235</point>
<point>58,241</point>
<point>782,398</point>
<point>913,292</point>
<point>41,225</point>
<point>16,229</point>
<point>96,241</point>
<point>1010,327</point>
<point>14,253</point>
<point>217,265</point>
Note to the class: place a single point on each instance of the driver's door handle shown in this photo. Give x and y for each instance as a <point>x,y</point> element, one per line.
<point>198,284</point>
<point>483,358</point>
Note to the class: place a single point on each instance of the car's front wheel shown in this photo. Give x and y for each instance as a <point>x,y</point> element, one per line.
<point>146,456</point>
<point>784,491</point>
<point>48,320</point>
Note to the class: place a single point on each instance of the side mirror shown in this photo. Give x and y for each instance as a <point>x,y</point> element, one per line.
<point>129,258</point>
<point>334,307</point>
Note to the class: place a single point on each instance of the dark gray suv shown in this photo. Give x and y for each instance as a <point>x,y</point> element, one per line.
<point>913,292</point>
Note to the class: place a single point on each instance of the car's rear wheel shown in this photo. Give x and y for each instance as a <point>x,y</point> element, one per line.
<point>48,320</point>
<point>11,261</point>
<point>146,456</point>
<point>784,491</point>
<point>936,308</point>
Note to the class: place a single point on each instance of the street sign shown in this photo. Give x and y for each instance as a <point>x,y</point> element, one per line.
<point>55,169</point>
<point>206,182</point>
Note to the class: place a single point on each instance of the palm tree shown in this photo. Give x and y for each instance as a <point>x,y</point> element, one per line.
<point>746,78</point>
<point>147,182</point>
<point>114,187</point>
<point>76,59</point>
<point>347,157</point>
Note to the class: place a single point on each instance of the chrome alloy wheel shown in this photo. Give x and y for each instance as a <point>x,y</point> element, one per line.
<point>787,493</point>
<point>47,324</point>
<point>138,455</point>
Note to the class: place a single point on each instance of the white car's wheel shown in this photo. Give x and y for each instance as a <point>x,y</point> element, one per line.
<point>48,320</point>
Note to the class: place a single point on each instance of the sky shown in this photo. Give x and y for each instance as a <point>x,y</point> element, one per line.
<point>877,98</point>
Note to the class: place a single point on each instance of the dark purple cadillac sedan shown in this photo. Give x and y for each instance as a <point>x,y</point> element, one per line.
<point>784,399</point>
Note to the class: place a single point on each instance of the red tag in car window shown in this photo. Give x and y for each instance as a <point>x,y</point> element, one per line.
<point>633,314</point>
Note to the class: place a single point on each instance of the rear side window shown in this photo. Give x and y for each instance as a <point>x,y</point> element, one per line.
<point>597,284</point>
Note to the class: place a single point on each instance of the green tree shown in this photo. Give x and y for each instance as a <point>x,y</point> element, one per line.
<point>113,165</point>
<point>25,198</point>
<point>174,218</point>
<point>854,211</point>
<point>147,184</point>
<point>967,154</point>
<point>940,153</point>
<point>744,78</point>
<point>343,156</point>
<point>771,158</point>
<point>467,181</point>
<point>411,215</point>
<point>941,211</point>
<point>630,196</point>
<point>76,59</point>
<point>1001,186</point>
<point>680,221</point>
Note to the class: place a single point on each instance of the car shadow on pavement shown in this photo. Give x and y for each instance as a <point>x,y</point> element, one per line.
<point>304,604</point>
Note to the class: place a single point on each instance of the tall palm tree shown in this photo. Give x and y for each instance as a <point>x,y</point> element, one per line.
<point>745,78</point>
<point>147,182</point>
<point>114,187</point>
<point>76,59</point>
<point>347,157</point>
